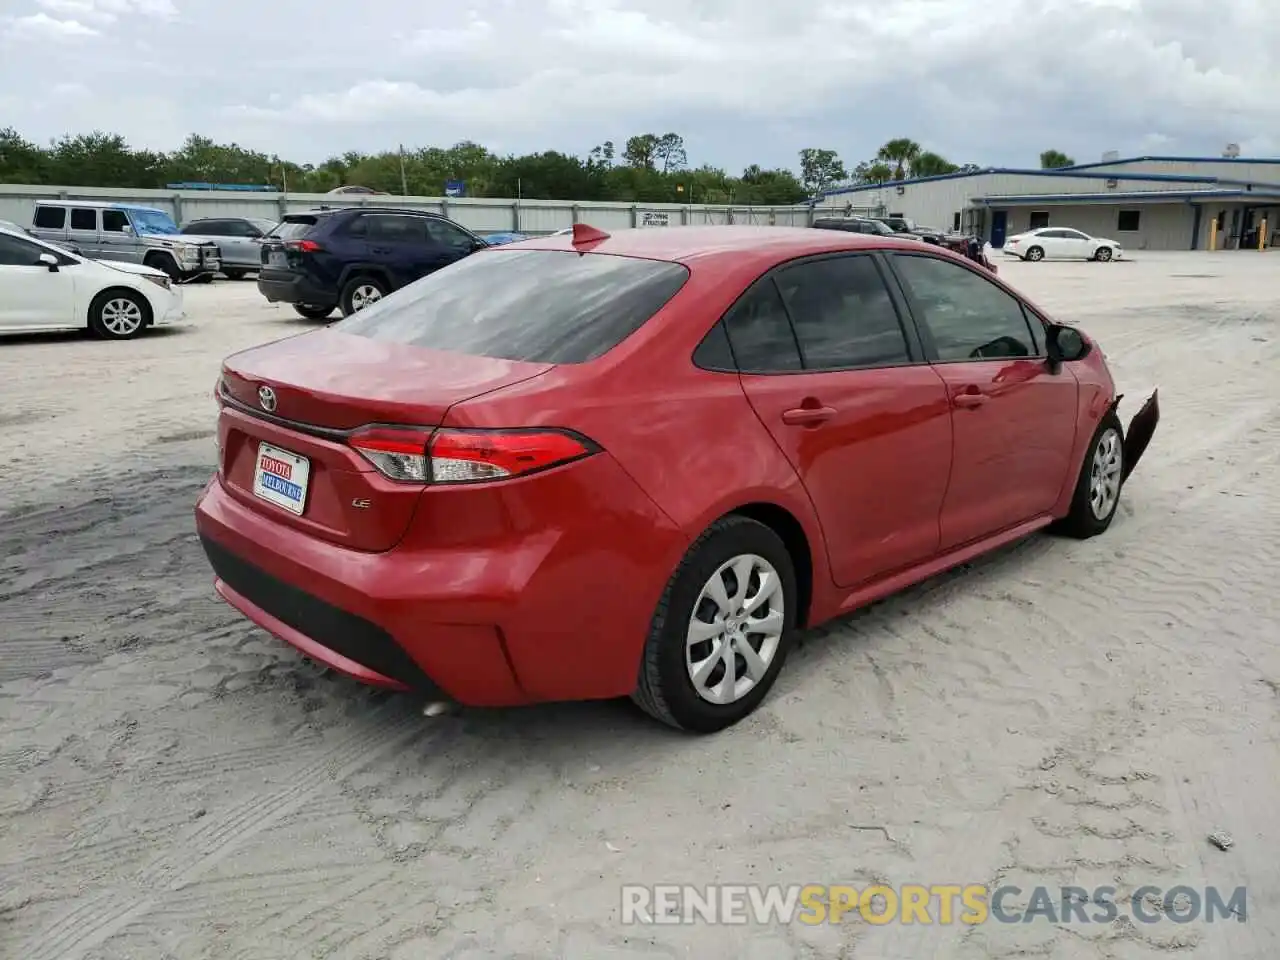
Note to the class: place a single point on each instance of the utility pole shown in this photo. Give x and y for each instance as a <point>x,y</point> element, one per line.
<point>404,182</point>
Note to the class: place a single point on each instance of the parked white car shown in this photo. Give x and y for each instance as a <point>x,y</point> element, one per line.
<point>1061,243</point>
<point>44,288</point>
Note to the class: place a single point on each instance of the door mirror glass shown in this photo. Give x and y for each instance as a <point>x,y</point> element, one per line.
<point>49,260</point>
<point>1065,344</point>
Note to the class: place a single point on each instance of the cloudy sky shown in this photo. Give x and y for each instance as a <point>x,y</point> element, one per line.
<point>744,81</point>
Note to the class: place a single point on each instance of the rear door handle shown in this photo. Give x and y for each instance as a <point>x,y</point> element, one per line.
<point>807,416</point>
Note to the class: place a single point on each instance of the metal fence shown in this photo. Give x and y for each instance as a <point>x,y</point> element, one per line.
<point>17,203</point>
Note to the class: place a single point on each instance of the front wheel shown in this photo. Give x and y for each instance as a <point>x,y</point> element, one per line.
<point>1097,493</point>
<point>359,293</point>
<point>1103,254</point>
<point>1035,254</point>
<point>232,274</point>
<point>721,632</point>
<point>118,315</point>
<point>165,263</point>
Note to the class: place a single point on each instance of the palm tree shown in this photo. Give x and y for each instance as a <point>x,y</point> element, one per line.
<point>902,153</point>
<point>930,164</point>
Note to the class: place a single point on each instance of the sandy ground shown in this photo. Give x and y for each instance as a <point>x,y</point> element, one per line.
<point>176,784</point>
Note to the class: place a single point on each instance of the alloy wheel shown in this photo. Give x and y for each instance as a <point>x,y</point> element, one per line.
<point>1104,477</point>
<point>121,316</point>
<point>735,629</point>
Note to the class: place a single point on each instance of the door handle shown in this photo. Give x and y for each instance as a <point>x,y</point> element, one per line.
<point>971,397</point>
<point>807,416</point>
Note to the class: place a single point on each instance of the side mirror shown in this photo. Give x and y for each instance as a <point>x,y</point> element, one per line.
<point>50,261</point>
<point>1065,345</point>
<point>127,230</point>
<point>478,244</point>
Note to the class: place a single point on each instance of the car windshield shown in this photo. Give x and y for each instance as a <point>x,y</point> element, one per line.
<point>539,306</point>
<point>266,226</point>
<point>151,221</point>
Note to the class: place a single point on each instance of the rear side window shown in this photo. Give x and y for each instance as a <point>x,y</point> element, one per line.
<point>760,332</point>
<point>394,228</point>
<point>540,306</point>
<point>82,219</point>
<point>843,314</point>
<point>50,218</point>
<point>294,227</point>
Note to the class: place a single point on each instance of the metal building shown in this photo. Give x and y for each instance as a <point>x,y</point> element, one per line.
<point>1145,203</point>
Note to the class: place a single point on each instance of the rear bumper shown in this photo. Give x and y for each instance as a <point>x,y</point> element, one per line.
<point>511,617</point>
<point>280,287</point>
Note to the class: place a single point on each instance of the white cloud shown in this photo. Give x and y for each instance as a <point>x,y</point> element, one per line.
<point>109,11</point>
<point>744,81</point>
<point>42,27</point>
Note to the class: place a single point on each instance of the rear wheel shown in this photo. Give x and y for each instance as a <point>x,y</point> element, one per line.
<point>1034,254</point>
<point>1097,493</point>
<point>720,635</point>
<point>360,292</point>
<point>312,312</point>
<point>118,315</point>
<point>1103,254</point>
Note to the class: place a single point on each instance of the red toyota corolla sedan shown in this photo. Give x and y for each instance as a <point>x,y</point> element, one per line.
<point>590,466</point>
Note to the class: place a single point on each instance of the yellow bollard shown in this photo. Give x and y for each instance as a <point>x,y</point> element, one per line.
<point>1213,234</point>
<point>1262,234</point>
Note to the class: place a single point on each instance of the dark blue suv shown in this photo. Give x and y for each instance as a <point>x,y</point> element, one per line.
<point>351,257</point>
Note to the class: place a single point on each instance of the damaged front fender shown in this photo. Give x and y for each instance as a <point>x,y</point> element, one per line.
<point>1138,436</point>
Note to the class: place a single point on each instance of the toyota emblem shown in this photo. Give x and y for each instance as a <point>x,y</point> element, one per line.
<point>267,397</point>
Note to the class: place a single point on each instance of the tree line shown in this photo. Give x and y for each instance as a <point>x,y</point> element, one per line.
<point>649,168</point>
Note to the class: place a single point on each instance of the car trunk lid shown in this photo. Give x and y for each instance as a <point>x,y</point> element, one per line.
<point>289,407</point>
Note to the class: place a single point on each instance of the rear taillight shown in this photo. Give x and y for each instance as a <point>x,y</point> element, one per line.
<point>465,456</point>
<point>446,456</point>
<point>399,453</point>
<point>302,246</point>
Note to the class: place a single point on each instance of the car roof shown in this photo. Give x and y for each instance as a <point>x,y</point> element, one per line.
<point>99,205</point>
<point>703,244</point>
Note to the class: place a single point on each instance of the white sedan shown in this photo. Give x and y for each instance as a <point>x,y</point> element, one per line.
<point>1061,243</point>
<point>44,288</point>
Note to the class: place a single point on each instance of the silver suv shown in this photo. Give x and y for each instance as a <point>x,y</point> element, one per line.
<point>118,231</point>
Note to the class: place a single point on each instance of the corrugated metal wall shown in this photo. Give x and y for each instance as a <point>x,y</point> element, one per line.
<point>17,203</point>
<point>1225,169</point>
<point>1161,226</point>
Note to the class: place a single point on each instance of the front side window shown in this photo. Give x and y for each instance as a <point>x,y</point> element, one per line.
<point>967,316</point>
<point>447,235</point>
<point>114,221</point>
<point>843,314</point>
<point>18,253</point>
<point>539,306</point>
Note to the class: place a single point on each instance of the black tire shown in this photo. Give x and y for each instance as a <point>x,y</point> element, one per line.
<point>201,278</point>
<point>1034,254</point>
<point>1103,254</point>
<point>664,689</point>
<point>163,261</point>
<point>1083,522</point>
<point>350,301</point>
<point>232,274</point>
<point>109,316</point>
<point>312,312</point>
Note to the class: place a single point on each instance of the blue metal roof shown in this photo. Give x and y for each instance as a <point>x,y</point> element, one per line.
<point>1109,163</point>
<point>1011,200</point>
<point>1059,172</point>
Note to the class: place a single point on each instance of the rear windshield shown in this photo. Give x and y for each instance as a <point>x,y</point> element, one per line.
<point>540,306</point>
<point>293,227</point>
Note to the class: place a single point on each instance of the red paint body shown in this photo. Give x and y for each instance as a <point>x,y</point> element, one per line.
<point>542,587</point>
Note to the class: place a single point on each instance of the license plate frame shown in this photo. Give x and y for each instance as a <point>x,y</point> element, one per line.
<point>286,483</point>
